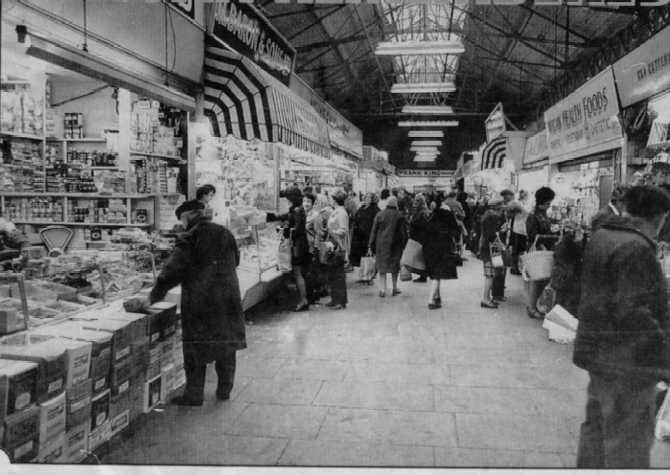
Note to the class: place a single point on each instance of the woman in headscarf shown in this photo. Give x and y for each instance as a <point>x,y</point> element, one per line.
<point>318,211</point>
<point>363,220</point>
<point>418,226</point>
<point>387,241</point>
<point>338,229</point>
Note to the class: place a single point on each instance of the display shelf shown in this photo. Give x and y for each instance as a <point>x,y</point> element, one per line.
<point>18,135</point>
<point>155,155</point>
<point>105,168</point>
<point>84,140</point>
<point>27,194</point>
<point>102,225</point>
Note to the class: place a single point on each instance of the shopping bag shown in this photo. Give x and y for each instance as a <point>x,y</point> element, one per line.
<point>367,269</point>
<point>284,255</point>
<point>662,429</point>
<point>547,300</point>
<point>412,257</point>
<point>405,274</point>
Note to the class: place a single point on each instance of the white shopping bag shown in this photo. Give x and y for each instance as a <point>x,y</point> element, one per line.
<point>662,429</point>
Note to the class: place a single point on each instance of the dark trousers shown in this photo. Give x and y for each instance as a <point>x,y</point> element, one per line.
<point>519,245</point>
<point>196,371</point>
<point>619,428</point>
<point>337,282</point>
<point>499,282</point>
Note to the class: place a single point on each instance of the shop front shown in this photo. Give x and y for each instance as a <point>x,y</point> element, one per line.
<point>495,165</point>
<point>585,143</point>
<point>534,173</point>
<point>643,82</point>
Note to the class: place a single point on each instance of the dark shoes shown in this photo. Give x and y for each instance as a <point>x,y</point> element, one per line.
<point>396,292</point>
<point>489,304</point>
<point>336,306</point>
<point>534,314</point>
<point>222,395</point>
<point>302,308</point>
<point>382,294</point>
<point>184,401</point>
<point>421,280</point>
<point>436,303</point>
<point>499,299</point>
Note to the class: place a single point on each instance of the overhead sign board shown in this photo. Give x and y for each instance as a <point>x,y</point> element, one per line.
<point>495,123</point>
<point>242,27</point>
<point>424,173</point>
<point>645,71</point>
<point>586,122</point>
<point>536,148</point>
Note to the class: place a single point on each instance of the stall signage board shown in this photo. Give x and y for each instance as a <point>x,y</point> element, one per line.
<point>536,148</point>
<point>242,27</point>
<point>645,71</point>
<point>424,173</point>
<point>343,134</point>
<point>585,122</point>
<point>495,123</point>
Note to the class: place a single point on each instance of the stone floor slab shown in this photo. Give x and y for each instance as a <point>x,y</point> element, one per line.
<point>315,369</point>
<point>399,373</point>
<point>376,395</point>
<point>281,391</point>
<point>482,458</point>
<point>282,421</point>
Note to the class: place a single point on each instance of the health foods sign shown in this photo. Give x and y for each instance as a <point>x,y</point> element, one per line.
<point>248,32</point>
<point>424,173</point>
<point>585,122</point>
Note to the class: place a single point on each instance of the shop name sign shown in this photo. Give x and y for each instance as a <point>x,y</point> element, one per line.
<point>536,148</point>
<point>247,31</point>
<point>645,71</point>
<point>586,121</point>
<point>424,173</point>
<point>495,123</point>
<point>343,134</point>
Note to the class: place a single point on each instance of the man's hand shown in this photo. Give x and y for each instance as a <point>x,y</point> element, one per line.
<point>136,305</point>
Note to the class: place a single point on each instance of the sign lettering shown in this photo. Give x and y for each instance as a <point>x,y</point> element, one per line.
<point>424,173</point>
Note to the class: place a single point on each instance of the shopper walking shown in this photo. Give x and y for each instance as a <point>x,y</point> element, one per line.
<point>387,241</point>
<point>538,229</point>
<point>418,227</point>
<point>362,226</point>
<point>624,333</point>
<point>439,249</point>
<point>316,226</point>
<point>338,227</point>
<point>204,262</point>
<point>492,224</point>
<point>519,209</point>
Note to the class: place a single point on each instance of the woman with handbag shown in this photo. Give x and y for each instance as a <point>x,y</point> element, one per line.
<point>362,224</point>
<point>337,229</point>
<point>439,249</point>
<point>492,222</point>
<point>387,241</point>
<point>418,227</point>
<point>318,211</point>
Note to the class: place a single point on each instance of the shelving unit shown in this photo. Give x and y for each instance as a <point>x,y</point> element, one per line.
<point>18,135</point>
<point>154,155</point>
<point>97,225</point>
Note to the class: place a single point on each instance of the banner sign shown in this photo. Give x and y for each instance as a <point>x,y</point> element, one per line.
<point>242,27</point>
<point>536,148</point>
<point>645,71</point>
<point>185,6</point>
<point>585,122</point>
<point>495,123</point>
<point>423,173</point>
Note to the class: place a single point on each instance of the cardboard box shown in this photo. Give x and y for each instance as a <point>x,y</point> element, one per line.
<point>76,442</point>
<point>121,336</point>
<point>100,350</point>
<point>78,403</point>
<point>17,386</point>
<point>140,357</point>
<point>163,317</point>
<point>52,420</point>
<point>53,452</point>
<point>119,413</point>
<point>139,325</point>
<point>11,320</point>
<point>120,377</point>
<point>50,361</point>
<point>24,452</point>
<point>77,359</point>
<point>20,428</point>
<point>99,436</point>
<point>136,395</point>
<point>154,370</point>
<point>168,375</point>
<point>100,410</point>
<point>153,391</point>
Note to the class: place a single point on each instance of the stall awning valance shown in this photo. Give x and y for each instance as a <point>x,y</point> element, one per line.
<point>245,101</point>
<point>494,153</point>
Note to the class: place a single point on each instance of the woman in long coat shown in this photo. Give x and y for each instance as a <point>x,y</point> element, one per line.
<point>363,220</point>
<point>418,227</point>
<point>387,241</point>
<point>439,249</point>
<point>204,263</point>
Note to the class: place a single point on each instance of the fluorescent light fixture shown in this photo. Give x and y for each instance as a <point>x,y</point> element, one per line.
<point>424,159</point>
<point>426,134</point>
<point>427,110</point>
<point>428,123</point>
<point>423,149</point>
<point>423,87</point>
<point>426,143</point>
<point>415,48</point>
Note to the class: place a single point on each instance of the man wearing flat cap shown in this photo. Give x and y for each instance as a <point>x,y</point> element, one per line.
<point>204,263</point>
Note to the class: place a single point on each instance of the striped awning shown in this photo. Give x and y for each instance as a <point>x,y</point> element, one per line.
<point>243,100</point>
<point>494,153</point>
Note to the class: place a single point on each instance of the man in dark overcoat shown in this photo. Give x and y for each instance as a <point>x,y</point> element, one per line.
<point>204,262</point>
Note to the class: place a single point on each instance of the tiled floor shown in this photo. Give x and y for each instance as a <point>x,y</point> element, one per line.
<point>386,383</point>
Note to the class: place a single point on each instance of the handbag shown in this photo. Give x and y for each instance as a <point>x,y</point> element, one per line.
<point>368,268</point>
<point>508,251</point>
<point>547,300</point>
<point>284,249</point>
<point>412,257</point>
<point>405,275</point>
<point>496,249</point>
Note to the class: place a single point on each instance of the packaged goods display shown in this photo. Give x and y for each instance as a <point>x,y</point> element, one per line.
<point>53,452</point>
<point>76,441</point>
<point>21,434</point>
<point>17,386</point>
<point>22,110</point>
<point>154,129</point>
<point>52,420</point>
<point>78,402</point>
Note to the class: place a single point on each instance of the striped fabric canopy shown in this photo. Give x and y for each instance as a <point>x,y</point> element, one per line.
<point>244,101</point>
<point>494,153</point>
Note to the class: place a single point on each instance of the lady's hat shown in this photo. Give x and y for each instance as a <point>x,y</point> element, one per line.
<point>392,202</point>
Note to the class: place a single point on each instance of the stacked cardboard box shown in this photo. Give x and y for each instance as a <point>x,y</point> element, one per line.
<point>19,415</point>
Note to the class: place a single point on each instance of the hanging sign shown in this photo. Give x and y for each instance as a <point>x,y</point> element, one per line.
<point>536,148</point>
<point>242,27</point>
<point>645,71</point>
<point>585,122</point>
<point>495,123</point>
<point>423,173</point>
<point>185,6</point>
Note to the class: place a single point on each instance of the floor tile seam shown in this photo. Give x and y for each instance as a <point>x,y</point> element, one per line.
<point>374,440</point>
<point>394,409</point>
<point>283,451</point>
<point>318,391</point>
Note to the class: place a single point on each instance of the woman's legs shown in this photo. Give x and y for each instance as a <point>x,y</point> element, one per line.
<point>382,284</point>
<point>300,282</point>
<point>394,281</point>
<point>338,286</point>
<point>435,290</point>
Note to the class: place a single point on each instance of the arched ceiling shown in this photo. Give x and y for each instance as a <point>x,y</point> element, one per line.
<point>513,55</point>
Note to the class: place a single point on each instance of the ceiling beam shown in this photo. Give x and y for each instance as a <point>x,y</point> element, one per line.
<point>318,20</point>
<point>556,24</point>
